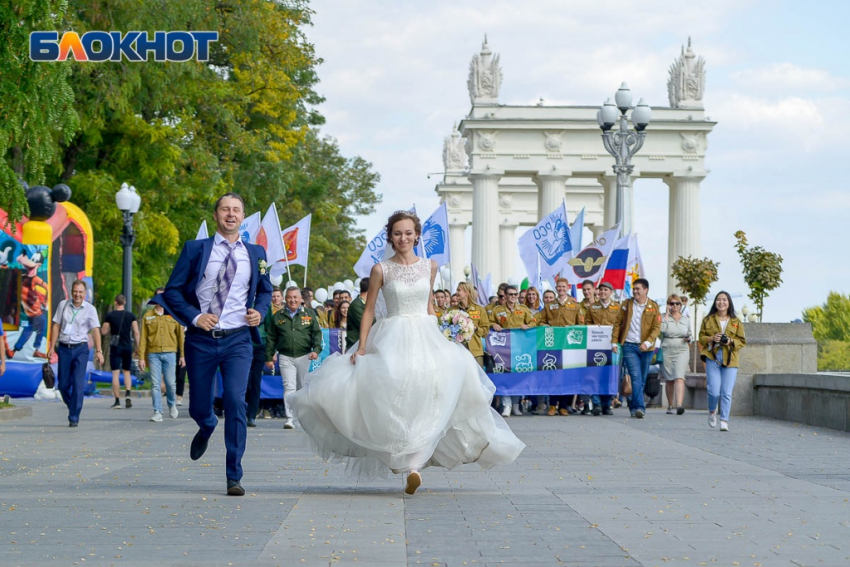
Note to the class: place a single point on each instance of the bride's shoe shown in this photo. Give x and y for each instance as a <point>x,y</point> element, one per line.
<point>414,481</point>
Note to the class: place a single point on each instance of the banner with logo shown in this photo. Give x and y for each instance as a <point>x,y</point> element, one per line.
<point>434,242</point>
<point>544,247</point>
<point>553,360</point>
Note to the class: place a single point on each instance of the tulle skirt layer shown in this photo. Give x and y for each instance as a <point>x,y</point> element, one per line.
<point>414,400</point>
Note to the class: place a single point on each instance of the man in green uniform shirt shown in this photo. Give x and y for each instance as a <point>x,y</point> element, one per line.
<point>293,333</point>
<point>355,315</point>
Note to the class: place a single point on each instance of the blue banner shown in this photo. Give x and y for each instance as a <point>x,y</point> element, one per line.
<point>553,360</point>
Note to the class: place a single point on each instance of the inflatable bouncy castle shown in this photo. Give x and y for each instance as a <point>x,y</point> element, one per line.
<point>40,257</point>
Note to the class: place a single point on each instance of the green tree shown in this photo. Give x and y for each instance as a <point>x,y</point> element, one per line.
<point>762,270</point>
<point>36,102</point>
<point>831,328</point>
<point>694,276</point>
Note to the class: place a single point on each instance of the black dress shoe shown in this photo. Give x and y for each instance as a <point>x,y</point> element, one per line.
<point>607,411</point>
<point>234,488</point>
<point>199,446</point>
<point>73,423</point>
<point>596,410</point>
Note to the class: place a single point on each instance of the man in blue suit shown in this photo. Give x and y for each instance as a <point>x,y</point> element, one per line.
<point>220,291</point>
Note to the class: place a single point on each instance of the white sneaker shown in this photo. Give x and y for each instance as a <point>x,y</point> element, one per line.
<point>724,426</point>
<point>712,420</point>
<point>670,411</point>
<point>506,411</point>
<point>287,423</point>
<point>517,410</point>
<point>172,411</point>
<point>157,416</point>
<point>179,401</point>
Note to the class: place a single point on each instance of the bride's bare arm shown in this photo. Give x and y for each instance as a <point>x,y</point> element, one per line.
<point>376,280</point>
<point>431,310</point>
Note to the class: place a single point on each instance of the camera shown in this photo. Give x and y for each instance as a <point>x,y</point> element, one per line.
<point>724,339</point>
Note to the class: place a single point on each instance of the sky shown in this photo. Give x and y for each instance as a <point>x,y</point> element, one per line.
<point>778,84</point>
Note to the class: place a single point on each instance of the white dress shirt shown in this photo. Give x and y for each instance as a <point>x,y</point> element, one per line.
<point>75,323</point>
<point>633,335</point>
<point>234,311</point>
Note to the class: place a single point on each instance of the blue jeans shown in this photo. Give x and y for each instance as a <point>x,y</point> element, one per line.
<point>163,363</point>
<point>636,362</point>
<point>601,400</point>
<point>720,381</point>
<point>72,377</point>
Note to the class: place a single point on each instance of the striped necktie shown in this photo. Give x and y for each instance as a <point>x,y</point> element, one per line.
<point>225,279</point>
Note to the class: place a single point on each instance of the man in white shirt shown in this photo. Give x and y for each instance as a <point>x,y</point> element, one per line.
<point>75,319</point>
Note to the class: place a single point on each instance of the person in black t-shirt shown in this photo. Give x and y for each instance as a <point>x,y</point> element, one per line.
<point>121,323</point>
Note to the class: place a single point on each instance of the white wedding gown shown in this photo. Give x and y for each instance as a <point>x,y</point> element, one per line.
<point>414,400</point>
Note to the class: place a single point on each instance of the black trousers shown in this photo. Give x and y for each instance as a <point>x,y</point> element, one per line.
<point>255,379</point>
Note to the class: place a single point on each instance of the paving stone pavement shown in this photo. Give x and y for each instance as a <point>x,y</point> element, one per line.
<point>588,491</point>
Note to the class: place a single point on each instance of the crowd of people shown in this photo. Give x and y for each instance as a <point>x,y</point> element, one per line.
<point>291,339</point>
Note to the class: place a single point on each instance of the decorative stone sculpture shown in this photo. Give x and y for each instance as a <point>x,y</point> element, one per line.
<point>553,141</point>
<point>485,76</point>
<point>487,141</point>
<point>686,84</point>
<point>454,152</point>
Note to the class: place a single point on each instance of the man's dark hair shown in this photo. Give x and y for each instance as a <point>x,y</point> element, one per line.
<point>502,286</point>
<point>336,292</point>
<point>641,281</point>
<point>306,289</point>
<point>364,284</point>
<point>232,196</point>
<point>120,300</point>
<point>585,282</point>
<point>513,287</point>
<point>329,303</point>
<point>277,288</point>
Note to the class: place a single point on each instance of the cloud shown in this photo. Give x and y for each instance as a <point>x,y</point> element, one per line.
<point>783,78</point>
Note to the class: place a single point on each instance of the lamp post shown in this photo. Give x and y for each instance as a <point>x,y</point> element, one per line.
<point>466,272</point>
<point>128,202</point>
<point>623,144</point>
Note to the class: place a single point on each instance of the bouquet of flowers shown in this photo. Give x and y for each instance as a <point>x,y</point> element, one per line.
<point>457,326</point>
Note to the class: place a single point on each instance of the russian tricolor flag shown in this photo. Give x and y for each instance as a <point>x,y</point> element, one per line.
<point>615,269</point>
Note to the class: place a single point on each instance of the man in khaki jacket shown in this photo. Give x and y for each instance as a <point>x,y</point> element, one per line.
<point>161,347</point>
<point>637,327</point>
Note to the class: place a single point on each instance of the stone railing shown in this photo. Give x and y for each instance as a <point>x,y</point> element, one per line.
<point>814,399</point>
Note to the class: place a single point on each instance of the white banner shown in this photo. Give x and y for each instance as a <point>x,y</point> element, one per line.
<point>270,236</point>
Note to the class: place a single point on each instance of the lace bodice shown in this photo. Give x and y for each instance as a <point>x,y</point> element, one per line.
<point>407,288</point>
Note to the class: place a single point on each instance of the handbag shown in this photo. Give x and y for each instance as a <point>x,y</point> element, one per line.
<point>116,337</point>
<point>48,376</point>
<point>626,385</point>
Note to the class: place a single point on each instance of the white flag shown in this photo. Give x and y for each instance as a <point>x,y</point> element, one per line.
<point>634,266</point>
<point>576,231</point>
<point>434,243</point>
<point>589,264</point>
<point>202,232</point>
<point>550,241</point>
<point>250,228</point>
<point>270,236</point>
<point>296,239</point>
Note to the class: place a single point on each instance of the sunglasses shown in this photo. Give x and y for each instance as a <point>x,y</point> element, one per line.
<point>673,303</point>
<point>501,296</point>
<point>512,294</point>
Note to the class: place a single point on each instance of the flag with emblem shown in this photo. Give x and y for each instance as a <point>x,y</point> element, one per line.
<point>373,253</point>
<point>434,242</point>
<point>589,264</point>
<point>250,228</point>
<point>549,242</point>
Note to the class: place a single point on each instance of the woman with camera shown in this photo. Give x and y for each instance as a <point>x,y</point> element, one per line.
<point>675,342</point>
<point>721,337</point>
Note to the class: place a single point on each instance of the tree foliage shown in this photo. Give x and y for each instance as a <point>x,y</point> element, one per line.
<point>831,328</point>
<point>694,276</point>
<point>762,270</point>
<point>36,101</point>
<point>183,133</point>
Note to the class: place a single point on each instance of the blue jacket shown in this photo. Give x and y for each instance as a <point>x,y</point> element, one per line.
<point>180,300</point>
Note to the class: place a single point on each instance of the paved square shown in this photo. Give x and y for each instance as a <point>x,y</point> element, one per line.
<point>606,491</point>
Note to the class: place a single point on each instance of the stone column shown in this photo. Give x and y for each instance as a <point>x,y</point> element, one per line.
<point>596,230</point>
<point>485,220</point>
<point>685,214</point>
<point>551,188</point>
<point>507,251</point>
<point>457,245</point>
<point>609,186</point>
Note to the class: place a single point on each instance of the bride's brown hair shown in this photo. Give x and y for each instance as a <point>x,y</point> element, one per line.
<point>400,216</point>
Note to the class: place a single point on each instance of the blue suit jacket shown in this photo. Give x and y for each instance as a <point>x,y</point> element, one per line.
<point>180,299</point>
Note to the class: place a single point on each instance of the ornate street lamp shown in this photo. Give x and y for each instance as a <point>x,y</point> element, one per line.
<point>623,143</point>
<point>128,202</point>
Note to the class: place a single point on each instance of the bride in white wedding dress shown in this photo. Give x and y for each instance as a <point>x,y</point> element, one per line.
<point>406,398</point>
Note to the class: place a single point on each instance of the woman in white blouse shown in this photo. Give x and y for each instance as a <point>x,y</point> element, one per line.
<point>675,341</point>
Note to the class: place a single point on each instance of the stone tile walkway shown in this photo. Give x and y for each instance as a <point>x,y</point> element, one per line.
<point>588,491</point>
